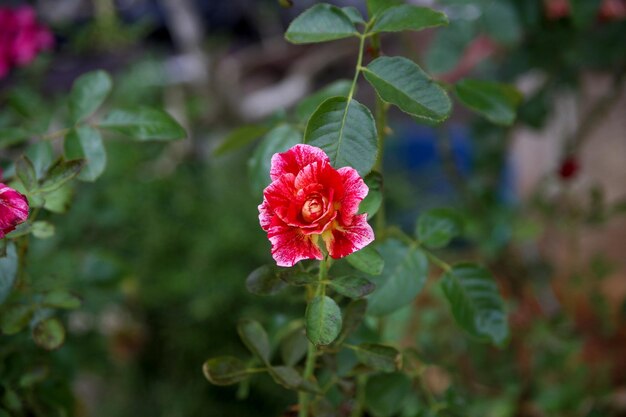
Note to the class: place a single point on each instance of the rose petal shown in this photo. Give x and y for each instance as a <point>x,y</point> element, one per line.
<point>289,245</point>
<point>344,240</point>
<point>280,193</point>
<point>296,158</point>
<point>355,191</point>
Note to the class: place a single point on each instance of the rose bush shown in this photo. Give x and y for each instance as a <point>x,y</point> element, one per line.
<point>13,209</point>
<point>309,199</point>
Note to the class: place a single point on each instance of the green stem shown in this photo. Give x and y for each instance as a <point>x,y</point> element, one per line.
<point>359,61</point>
<point>56,135</point>
<point>22,253</point>
<point>311,355</point>
<point>437,261</point>
<point>357,410</point>
<point>381,130</point>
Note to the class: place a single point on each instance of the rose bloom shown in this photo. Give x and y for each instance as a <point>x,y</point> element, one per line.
<point>310,202</point>
<point>13,209</point>
<point>21,37</point>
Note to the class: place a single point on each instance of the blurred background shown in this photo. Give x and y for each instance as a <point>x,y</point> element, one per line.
<point>159,248</point>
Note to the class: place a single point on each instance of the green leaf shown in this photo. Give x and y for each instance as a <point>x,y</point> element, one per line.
<point>475,302</point>
<point>401,82</point>
<point>376,6</point>
<point>225,370</point>
<point>88,93</point>
<point>346,131</point>
<point>448,45</point>
<point>61,299</point>
<point>495,101</point>
<point>49,333</point>
<point>60,173</point>
<point>42,229</point>
<point>320,23</point>
<point>8,271</point>
<point>374,199</point>
<point>30,104</point>
<point>265,280</point>
<point>279,139</point>
<point>297,278</point>
<point>378,357</point>
<point>85,142</point>
<point>15,318</point>
<point>10,136</point>
<point>255,338</point>
<point>25,171</point>
<point>143,124</point>
<point>11,401</point>
<point>239,138</point>
<point>22,229</point>
<point>354,15</point>
<point>437,227</point>
<point>307,106</point>
<point>385,394</point>
<point>323,320</point>
<point>58,201</point>
<point>501,22</point>
<point>286,376</point>
<point>408,17</point>
<point>289,378</point>
<point>403,277</point>
<point>352,286</point>
<point>367,260</point>
<point>34,376</point>
<point>294,346</point>
<point>352,319</point>
<point>41,155</point>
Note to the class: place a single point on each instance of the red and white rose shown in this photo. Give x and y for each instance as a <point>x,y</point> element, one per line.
<point>310,203</point>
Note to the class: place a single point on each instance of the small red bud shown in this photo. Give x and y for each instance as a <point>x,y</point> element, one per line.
<point>569,168</point>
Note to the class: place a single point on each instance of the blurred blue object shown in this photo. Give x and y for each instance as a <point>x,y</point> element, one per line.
<point>421,170</point>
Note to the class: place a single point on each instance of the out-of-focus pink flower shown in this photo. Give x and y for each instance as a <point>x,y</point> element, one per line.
<point>13,209</point>
<point>310,202</point>
<point>477,51</point>
<point>21,37</point>
<point>609,9</point>
<point>613,10</point>
<point>557,9</point>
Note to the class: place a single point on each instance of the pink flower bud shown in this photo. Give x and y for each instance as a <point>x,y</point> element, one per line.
<point>13,209</point>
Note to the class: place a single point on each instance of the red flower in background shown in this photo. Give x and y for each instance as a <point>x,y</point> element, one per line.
<point>21,37</point>
<point>569,168</point>
<point>608,9</point>
<point>13,209</point>
<point>307,200</point>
